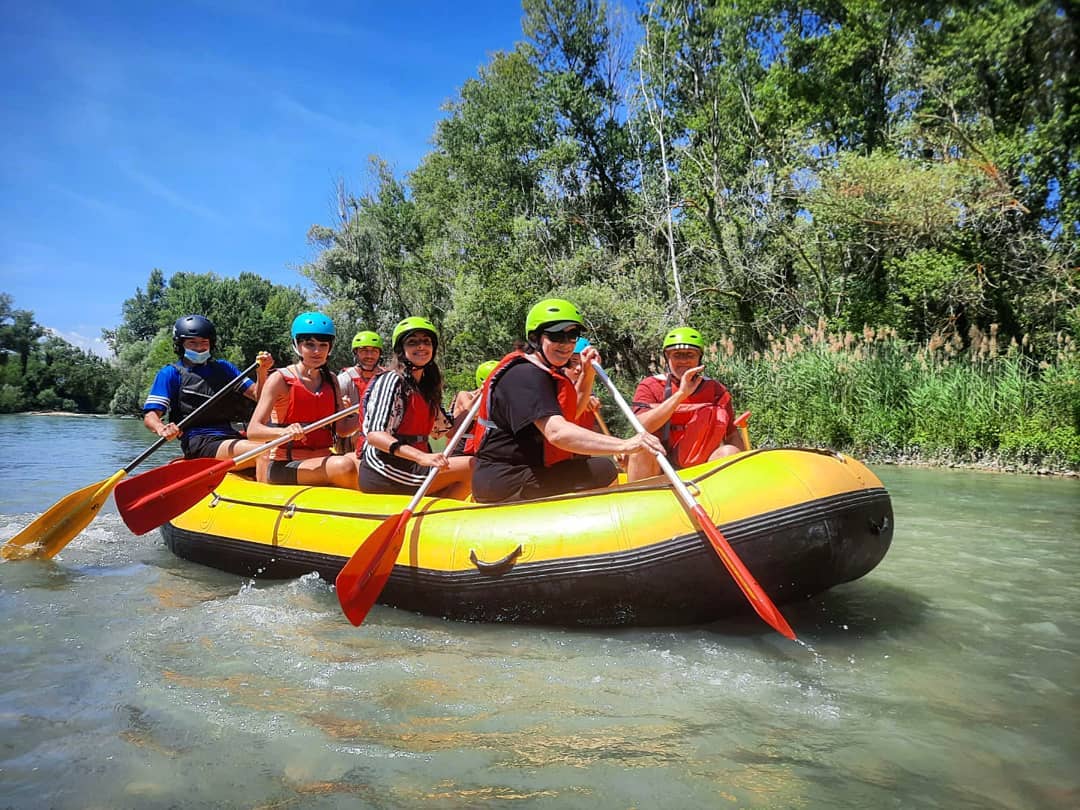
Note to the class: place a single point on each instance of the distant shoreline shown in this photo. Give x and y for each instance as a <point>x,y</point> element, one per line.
<point>989,463</point>
<point>73,413</point>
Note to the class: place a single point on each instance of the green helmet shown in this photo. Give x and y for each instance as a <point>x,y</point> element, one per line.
<point>551,311</point>
<point>362,339</point>
<point>412,324</point>
<point>684,337</point>
<point>483,371</point>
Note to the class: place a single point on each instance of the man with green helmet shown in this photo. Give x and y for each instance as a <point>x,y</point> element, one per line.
<point>367,348</point>
<point>690,413</point>
<point>525,439</point>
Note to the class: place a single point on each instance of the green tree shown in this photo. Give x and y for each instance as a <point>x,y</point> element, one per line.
<point>19,332</point>
<point>143,314</point>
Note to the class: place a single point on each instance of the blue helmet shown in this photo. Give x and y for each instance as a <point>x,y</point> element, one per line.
<point>581,345</point>
<point>313,323</point>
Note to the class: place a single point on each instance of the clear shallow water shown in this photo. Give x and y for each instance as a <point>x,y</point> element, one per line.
<point>946,678</point>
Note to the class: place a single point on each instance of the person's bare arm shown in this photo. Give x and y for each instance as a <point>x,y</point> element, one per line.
<point>568,436</point>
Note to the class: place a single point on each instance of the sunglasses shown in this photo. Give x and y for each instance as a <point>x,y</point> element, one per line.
<point>570,336</point>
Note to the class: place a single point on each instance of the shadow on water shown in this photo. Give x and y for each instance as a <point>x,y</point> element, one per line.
<point>42,575</point>
<point>864,609</point>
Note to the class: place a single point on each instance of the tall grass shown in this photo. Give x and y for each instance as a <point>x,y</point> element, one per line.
<point>873,394</point>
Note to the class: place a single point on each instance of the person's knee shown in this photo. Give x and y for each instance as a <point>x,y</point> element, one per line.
<point>343,472</point>
<point>723,451</point>
<point>603,472</point>
<point>641,465</point>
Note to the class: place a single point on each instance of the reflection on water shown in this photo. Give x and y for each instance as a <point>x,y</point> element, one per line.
<point>946,678</point>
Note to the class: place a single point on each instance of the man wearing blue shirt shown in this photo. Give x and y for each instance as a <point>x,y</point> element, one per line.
<point>181,387</point>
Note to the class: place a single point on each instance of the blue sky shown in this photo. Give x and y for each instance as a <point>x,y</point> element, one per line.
<point>206,136</point>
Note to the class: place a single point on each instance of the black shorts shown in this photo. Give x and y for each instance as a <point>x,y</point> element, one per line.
<point>282,472</point>
<point>499,483</point>
<point>205,445</point>
<point>374,482</point>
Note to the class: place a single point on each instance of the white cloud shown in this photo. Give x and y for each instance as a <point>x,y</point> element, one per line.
<point>88,344</point>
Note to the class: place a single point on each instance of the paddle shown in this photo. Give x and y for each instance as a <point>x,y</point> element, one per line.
<point>57,527</point>
<point>361,580</point>
<point>740,423</point>
<point>745,580</point>
<point>158,495</point>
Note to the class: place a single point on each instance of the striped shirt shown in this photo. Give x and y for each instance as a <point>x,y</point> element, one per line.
<point>384,408</point>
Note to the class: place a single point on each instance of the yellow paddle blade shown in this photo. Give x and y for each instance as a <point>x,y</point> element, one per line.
<point>49,533</point>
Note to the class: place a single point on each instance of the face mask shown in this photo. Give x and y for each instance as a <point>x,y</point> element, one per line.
<point>198,358</point>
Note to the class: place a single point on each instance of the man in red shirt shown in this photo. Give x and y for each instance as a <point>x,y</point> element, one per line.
<point>353,381</point>
<point>690,413</point>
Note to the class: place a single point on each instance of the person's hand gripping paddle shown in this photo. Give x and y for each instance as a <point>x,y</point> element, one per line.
<point>742,576</point>
<point>57,527</point>
<point>361,580</point>
<point>158,495</point>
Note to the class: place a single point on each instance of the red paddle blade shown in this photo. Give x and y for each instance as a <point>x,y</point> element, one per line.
<point>158,495</point>
<point>362,579</point>
<point>742,576</point>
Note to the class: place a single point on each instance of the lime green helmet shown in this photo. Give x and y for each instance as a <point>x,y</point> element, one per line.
<point>362,339</point>
<point>412,324</point>
<point>483,371</point>
<point>684,337</point>
<point>551,311</point>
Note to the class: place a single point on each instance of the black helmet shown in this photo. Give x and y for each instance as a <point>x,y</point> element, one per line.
<point>192,326</point>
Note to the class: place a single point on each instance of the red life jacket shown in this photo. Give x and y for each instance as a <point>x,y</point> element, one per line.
<point>700,423</point>
<point>564,393</point>
<point>417,422</point>
<point>587,419</point>
<point>362,386</point>
<point>307,406</point>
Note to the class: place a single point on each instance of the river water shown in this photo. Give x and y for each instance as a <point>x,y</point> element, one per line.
<point>945,678</point>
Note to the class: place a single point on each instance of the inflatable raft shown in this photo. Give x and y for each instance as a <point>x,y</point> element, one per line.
<point>801,520</point>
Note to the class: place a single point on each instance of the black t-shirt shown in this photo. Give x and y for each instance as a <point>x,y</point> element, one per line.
<point>523,394</point>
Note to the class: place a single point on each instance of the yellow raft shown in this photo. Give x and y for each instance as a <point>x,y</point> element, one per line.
<point>801,520</point>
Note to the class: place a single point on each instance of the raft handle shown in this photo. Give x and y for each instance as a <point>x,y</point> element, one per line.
<point>214,501</point>
<point>290,511</point>
<point>877,528</point>
<point>497,568</point>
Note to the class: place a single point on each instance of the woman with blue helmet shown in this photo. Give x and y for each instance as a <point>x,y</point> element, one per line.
<point>300,394</point>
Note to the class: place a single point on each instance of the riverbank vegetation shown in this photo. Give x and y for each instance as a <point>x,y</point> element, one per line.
<point>40,371</point>
<point>870,208</point>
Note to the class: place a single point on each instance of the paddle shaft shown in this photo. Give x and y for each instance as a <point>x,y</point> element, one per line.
<point>362,578</point>
<point>600,421</point>
<point>58,526</point>
<point>158,495</point>
<point>227,464</point>
<point>215,398</point>
<point>739,572</point>
<point>288,437</point>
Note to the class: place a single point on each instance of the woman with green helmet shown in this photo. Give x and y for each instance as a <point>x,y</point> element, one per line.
<point>464,400</point>
<point>402,410</point>
<point>299,394</point>
<point>367,350</point>
<point>690,413</point>
<point>526,442</point>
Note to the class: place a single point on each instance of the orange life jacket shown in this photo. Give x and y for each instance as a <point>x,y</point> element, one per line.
<point>565,393</point>
<point>362,386</point>
<point>699,425</point>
